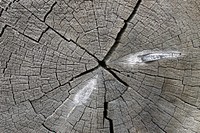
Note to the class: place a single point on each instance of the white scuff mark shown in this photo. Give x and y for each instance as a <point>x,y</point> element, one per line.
<point>83,95</point>
<point>80,98</point>
<point>69,106</point>
<point>149,56</point>
<point>71,110</point>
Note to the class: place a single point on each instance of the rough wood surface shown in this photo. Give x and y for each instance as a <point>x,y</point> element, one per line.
<point>64,66</point>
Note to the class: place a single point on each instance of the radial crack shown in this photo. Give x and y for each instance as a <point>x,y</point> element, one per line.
<point>121,32</point>
<point>48,128</point>
<point>3,29</point>
<point>158,126</point>
<point>68,40</point>
<point>119,79</point>
<point>9,4</point>
<point>68,82</point>
<point>105,113</point>
<point>49,11</point>
<point>32,106</point>
<point>7,63</point>
<point>42,34</point>
<point>1,12</point>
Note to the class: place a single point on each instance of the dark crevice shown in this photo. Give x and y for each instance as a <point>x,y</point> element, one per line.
<point>1,11</point>
<point>119,79</point>
<point>9,4</point>
<point>32,106</point>
<point>42,34</point>
<point>85,50</point>
<point>3,29</point>
<point>7,63</point>
<point>105,113</point>
<point>102,64</point>
<point>63,37</point>
<point>13,95</point>
<point>116,70</point>
<point>158,126</point>
<point>84,73</point>
<point>48,128</point>
<point>24,34</point>
<point>6,9</point>
<point>27,36</point>
<point>68,82</point>
<point>12,91</point>
<point>121,32</point>
<point>35,109</point>
<point>49,11</point>
<point>74,43</point>
<point>123,82</point>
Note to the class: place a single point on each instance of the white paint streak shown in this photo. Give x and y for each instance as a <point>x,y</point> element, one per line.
<point>71,111</point>
<point>81,97</point>
<point>83,94</point>
<point>149,56</point>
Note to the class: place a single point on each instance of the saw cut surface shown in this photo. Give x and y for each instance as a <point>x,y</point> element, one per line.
<point>99,66</point>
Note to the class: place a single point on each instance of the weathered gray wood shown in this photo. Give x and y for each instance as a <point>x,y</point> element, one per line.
<point>99,66</point>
